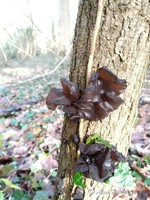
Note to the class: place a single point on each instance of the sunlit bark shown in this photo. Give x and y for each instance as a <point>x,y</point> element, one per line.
<point>122,43</point>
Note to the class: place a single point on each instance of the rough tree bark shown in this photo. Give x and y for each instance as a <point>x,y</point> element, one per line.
<point>112,33</point>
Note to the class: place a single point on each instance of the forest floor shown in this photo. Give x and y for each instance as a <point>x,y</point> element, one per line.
<point>30,134</point>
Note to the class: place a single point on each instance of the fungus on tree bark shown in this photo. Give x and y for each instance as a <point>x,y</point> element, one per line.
<point>97,161</point>
<point>94,103</point>
<point>101,96</point>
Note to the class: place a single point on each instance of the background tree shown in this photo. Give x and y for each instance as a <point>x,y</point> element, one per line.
<point>115,34</point>
<point>64,24</point>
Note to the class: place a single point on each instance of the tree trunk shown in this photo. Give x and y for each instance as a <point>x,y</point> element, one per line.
<point>115,34</point>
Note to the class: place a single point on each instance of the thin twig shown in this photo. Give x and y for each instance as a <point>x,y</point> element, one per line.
<point>9,42</point>
<point>94,38</point>
<point>43,75</point>
<point>11,101</point>
<point>3,52</point>
<point>40,31</point>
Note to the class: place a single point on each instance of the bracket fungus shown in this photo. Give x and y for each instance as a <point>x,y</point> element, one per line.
<point>94,103</point>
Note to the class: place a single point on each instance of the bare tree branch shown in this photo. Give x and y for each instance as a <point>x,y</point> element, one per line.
<point>43,75</point>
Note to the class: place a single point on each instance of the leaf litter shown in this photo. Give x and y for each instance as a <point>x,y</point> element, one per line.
<point>29,139</point>
<point>29,148</point>
<point>139,151</point>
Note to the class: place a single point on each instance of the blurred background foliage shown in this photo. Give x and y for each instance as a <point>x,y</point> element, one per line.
<point>30,28</point>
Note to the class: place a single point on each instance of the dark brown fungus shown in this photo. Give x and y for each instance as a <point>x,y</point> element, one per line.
<point>97,161</point>
<point>55,98</point>
<point>70,89</point>
<point>95,102</point>
<point>110,81</point>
